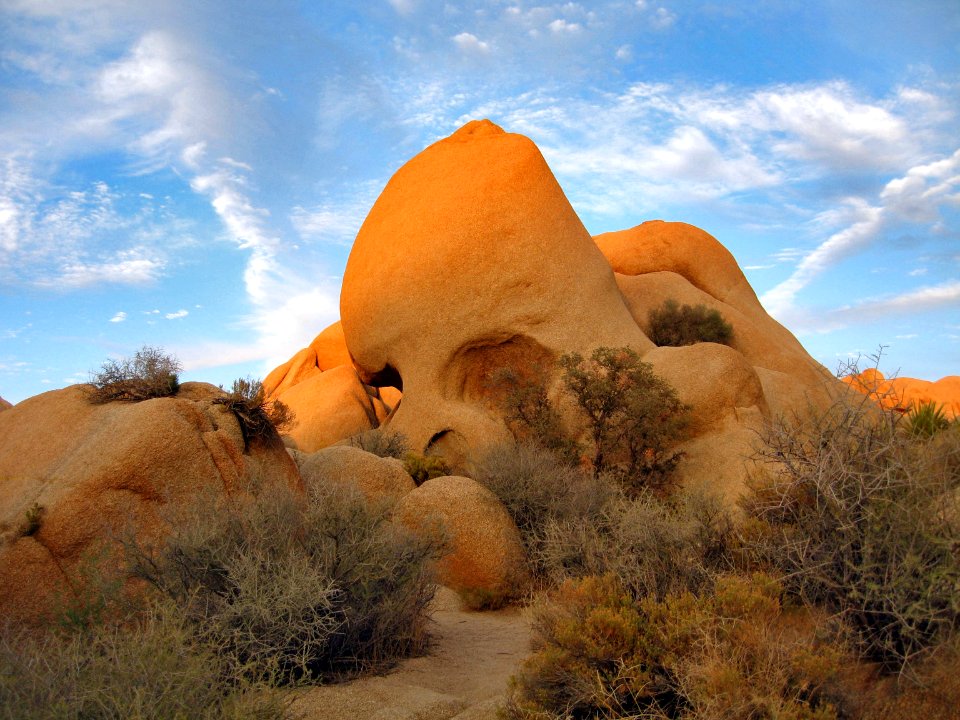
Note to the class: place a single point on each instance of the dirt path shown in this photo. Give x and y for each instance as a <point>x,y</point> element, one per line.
<point>463,678</point>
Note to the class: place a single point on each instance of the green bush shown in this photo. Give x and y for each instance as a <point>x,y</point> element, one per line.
<point>927,419</point>
<point>863,519</point>
<point>634,418</point>
<point>530,415</point>
<point>735,653</point>
<point>261,421</point>
<point>676,325</point>
<point>537,488</point>
<point>652,547</point>
<point>150,373</point>
<point>287,589</point>
<point>425,467</point>
<point>381,443</point>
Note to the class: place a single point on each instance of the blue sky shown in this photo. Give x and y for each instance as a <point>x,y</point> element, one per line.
<point>191,175</point>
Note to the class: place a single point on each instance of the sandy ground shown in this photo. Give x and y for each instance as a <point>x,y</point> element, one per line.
<point>464,677</point>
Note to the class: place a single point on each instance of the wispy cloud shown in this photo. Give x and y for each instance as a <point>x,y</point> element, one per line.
<point>177,315</point>
<point>119,317</point>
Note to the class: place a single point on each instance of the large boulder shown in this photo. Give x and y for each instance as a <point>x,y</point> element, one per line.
<point>327,351</point>
<point>379,479</point>
<point>5,404</point>
<point>488,266</point>
<point>490,269</point>
<point>485,561</point>
<point>74,476</point>
<point>331,406</point>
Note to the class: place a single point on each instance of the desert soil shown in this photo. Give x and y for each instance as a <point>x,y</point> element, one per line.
<point>463,677</point>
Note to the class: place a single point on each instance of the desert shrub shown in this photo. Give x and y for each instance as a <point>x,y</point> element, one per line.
<point>150,373</point>
<point>634,418</point>
<point>927,419</point>
<point>530,415</point>
<point>537,488</point>
<point>675,325</point>
<point>862,518</point>
<point>381,443</point>
<point>153,669</point>
<point>287,589</point>
<point>261,420</point>
<point>734,653</point>
<point>651,546</point>
<point>425,467</point>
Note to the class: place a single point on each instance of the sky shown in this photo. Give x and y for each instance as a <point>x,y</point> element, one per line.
<point>191,175</point>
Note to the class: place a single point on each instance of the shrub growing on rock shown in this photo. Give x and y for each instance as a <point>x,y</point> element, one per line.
<point>381,443</point>
<point>425,467</point>
<point>150,373</point>
<point>676,325</point>
<point>261,421</point>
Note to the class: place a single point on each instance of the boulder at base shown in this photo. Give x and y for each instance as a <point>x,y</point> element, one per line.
<point>485,561</point>
<point>74,476</point>
<point>379,479</point>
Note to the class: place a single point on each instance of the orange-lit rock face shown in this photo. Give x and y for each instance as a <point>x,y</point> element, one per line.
<point>471,259</point>
<point>903,393</point>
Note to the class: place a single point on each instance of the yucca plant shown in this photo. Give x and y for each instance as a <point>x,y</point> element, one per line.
<point>927,419</point>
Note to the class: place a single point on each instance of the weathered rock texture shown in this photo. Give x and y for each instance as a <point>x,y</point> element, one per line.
<point>472,261</point>
<point>485,560</point>
<point>4,404</point>
<point>903,393</point>
<point>379,479</point>
<point>74,476</point>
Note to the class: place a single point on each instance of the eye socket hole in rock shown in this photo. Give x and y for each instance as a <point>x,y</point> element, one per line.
<point>472,375</point>
<point>451,446</point>
<point>385,377</point>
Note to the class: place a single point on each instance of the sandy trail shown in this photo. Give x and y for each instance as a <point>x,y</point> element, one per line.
<point>464,677</point>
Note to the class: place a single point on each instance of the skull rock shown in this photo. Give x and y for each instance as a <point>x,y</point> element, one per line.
<point>471,260</point>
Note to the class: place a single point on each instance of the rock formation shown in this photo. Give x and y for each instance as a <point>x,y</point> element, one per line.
<point>489,267</point>
<point>379,479</point>
<point>903,393</point>
<point>74,476</point>
<point>4,404</point>
<point>485,561</point>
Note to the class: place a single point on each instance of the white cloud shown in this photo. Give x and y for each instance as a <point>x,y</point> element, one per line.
<point>931,297</point>
<point>468,42</point>
<point>564,27</point>
<point>663,18</point>
<point>865,222</point>
<point>917,272</point>
<point>404,7</point>
<point>177,315</point>
<point>130,271</point>
<point>119,317</point>
<point>918,195</point>
<point>624,53</point>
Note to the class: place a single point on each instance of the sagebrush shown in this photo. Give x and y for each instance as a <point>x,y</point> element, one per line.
<point>150,373</point>
<point>261,420</point>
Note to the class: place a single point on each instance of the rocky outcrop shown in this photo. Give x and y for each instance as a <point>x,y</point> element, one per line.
<point>491,269</point>
<point>488,266</point>
<point>75,476</point>
<point>485,562</point>
<point>4,404</point>
<point>331,406</point>
<point>903,393</point>
<point>379,479</point>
